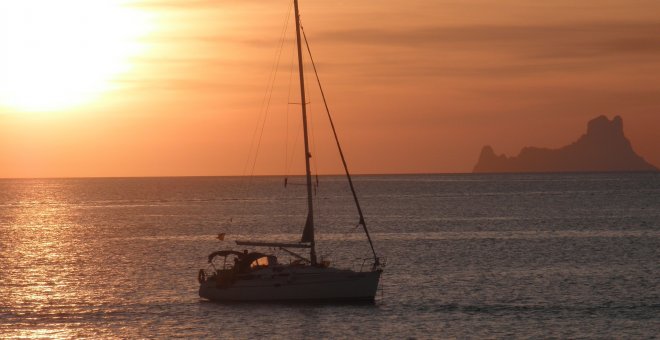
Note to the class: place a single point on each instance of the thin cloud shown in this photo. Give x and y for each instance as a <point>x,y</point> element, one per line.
<point>173,84</point>
<point>498,50</point>
<point>567,40</point>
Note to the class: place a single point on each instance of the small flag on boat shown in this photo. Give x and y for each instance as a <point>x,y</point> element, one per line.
<point>221,236</point>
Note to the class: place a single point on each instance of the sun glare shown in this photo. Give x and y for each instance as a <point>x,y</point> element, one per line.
<point>59,54</point>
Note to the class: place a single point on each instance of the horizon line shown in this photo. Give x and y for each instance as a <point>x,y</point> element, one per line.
<point>332,175</point>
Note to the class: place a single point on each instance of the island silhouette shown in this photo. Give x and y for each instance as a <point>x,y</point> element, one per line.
<point>604,148</point>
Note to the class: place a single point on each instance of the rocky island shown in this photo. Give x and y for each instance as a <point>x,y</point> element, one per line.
<point>603,148</point>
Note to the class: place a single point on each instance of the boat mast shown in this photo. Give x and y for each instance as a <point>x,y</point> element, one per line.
<point>308,233</point>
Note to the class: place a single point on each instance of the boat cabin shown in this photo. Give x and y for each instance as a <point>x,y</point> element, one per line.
<point>243,262</point>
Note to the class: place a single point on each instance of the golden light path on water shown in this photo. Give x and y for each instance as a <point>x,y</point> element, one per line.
<point>47,253</point>
<point>58,54</point>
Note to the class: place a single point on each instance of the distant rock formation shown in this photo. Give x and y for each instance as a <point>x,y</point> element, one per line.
<point>602,148</point>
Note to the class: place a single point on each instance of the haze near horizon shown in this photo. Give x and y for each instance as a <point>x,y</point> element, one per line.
<point>176,88</point>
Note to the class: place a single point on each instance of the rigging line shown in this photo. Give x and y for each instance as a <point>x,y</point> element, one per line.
<point>287,200</point>
<point>297,136</point>
<point>312,121</point>
<point>313,133</point>
<point>341,153</point>
<point>245,187</point>
<point>293,148</point>
<point>288,106</point>
<point>310,114</point>
<point>268,86</point>
<point>270,94</point>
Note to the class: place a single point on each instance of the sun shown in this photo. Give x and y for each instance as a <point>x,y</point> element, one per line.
<point>59,54</point>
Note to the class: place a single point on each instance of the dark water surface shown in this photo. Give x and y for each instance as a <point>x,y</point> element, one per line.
<point>574,255</point>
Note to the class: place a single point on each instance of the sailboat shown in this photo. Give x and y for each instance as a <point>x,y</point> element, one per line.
<point>259,276</point>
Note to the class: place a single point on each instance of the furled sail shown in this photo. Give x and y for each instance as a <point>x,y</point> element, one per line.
<point>308,232</point>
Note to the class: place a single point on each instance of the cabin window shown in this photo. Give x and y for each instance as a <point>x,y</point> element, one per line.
<point>260,262</point>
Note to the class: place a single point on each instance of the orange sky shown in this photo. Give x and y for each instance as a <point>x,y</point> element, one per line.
<point>415,86</point>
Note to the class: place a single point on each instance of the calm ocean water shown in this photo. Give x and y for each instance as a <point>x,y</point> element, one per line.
<point>571,255</point>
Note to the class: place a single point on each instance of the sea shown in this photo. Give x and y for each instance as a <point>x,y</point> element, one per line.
<point>467,255</point>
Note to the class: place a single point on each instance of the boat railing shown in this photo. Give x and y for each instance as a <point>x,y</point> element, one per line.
<point>369,264</point>
<point>366,264</point>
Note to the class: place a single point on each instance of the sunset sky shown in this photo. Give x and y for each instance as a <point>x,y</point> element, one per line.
<point>176,87</point>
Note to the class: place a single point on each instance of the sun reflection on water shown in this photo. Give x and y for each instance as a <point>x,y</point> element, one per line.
<point>42,252</point>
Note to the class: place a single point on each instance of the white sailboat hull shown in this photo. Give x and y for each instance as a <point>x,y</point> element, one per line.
<point>295,284</point>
